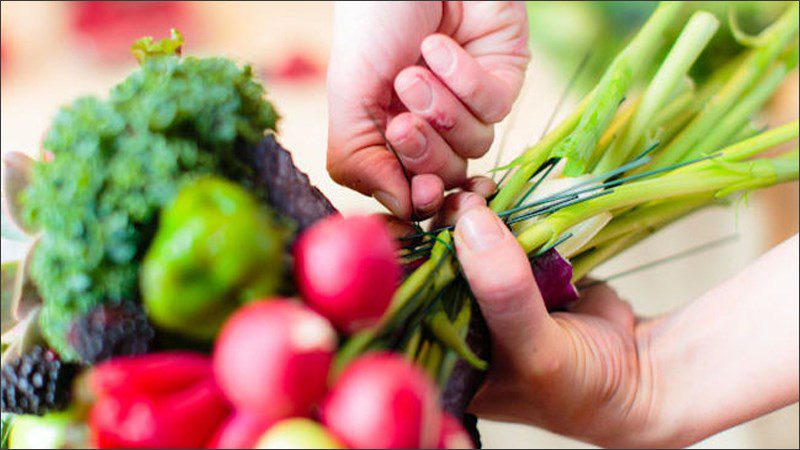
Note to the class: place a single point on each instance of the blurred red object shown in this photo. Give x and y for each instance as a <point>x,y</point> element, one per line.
<point>241,430</point>
<point>109,28</point>
<point>159,400</point>
<point>3,53</point>
<point>296,67</point>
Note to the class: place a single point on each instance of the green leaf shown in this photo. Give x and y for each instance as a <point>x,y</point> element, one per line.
<point>5,429</point>
<point>448,335</point>
<point>147,47</point>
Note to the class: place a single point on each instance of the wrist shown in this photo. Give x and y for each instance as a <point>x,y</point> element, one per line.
<point>663,418</point>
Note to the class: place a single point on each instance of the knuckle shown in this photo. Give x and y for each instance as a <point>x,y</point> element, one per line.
<point>470,89</point>
<point>475,140</point>
<point>505,286</point>
<point>497,111</point>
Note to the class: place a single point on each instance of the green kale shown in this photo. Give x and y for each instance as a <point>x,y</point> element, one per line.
<point>116,162</point>
<point>146,47</point>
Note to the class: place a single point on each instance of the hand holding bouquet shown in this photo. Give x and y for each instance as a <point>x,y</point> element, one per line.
<point>187,286</point>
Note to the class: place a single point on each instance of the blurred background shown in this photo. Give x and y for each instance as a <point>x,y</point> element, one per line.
<point>53,52</point>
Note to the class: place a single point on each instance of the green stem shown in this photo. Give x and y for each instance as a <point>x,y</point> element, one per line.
<point>779,36</point>
<point>615,129</point>
<point>747,131</point>
<point>412,347</point>
<point>740,114</point>
<point>647,218</point>
<point>555,136</point>
<point>461,324</point>
<point>432,362</point>
<point>448,335</point>
<point>588,261</point>
<point>690,43</point>
<point>612,88</point>
<point>751,147</point>
<point>720,179</point>
<point>517,181</point>
<point>430,271</point>
<point>684,103</point>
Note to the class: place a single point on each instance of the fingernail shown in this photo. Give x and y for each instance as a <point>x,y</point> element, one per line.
<point>388,200</point>
<point>416,93</point>
<point>414,144</point>
<point>423,209</point>
<point>469,201</point>
<point>479,229</point>
<point>439,57</point>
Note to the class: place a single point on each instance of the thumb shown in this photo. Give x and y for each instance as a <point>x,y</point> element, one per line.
<point>501,279</point>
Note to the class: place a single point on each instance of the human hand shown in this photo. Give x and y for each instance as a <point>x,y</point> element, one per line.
<point>583,373</point>
<point>436,75</point>
<point>599,374</point>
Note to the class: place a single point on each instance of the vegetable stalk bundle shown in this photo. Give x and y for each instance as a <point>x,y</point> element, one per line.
<point>638,153</point>
<point>168,216</point>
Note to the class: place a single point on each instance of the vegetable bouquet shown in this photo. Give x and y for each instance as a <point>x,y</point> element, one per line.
<point>186,286</point>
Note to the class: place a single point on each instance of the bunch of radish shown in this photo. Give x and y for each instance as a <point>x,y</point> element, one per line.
<point>270,382</point>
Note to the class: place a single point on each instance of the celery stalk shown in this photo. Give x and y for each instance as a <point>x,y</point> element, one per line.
<point>586,262</point>
<point>612,88</point>
<point>777,37</point>
<point>647,217</point>
<point>615,129</point>
<point>741,112</point>
<point>751,147</point>
<point>722,178</point>
<point>691,42</point>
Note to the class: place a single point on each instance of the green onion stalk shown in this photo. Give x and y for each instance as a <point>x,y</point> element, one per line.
<point>641,150</point>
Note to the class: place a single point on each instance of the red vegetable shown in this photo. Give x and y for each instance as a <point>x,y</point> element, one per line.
<point>241,430</point>
<point>553,275</point>
<point>108,28</point>
<point>346,270</point>
<point>151,374</point>
<point>297,66</point>
<point>183,412</point>
<point>272,358</point>
<point>452,435</point>
<point>383,401</point>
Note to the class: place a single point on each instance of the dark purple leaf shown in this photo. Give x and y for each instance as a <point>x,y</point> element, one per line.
<point>288,190</point>
<point>553,275</point>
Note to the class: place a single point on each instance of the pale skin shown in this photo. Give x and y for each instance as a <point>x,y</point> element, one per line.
<point>597,372</point>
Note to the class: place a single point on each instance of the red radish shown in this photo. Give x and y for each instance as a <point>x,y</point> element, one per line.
<point>241,430</point>
<point>272,358</point>
<point>185,419</point>
<point>346,270</point>
<point>452,435</point>
<point>383,401</point>
<point>149,374</point>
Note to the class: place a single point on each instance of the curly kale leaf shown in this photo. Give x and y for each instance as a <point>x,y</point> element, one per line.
<point>118,161</point>
<point>146,47</point>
